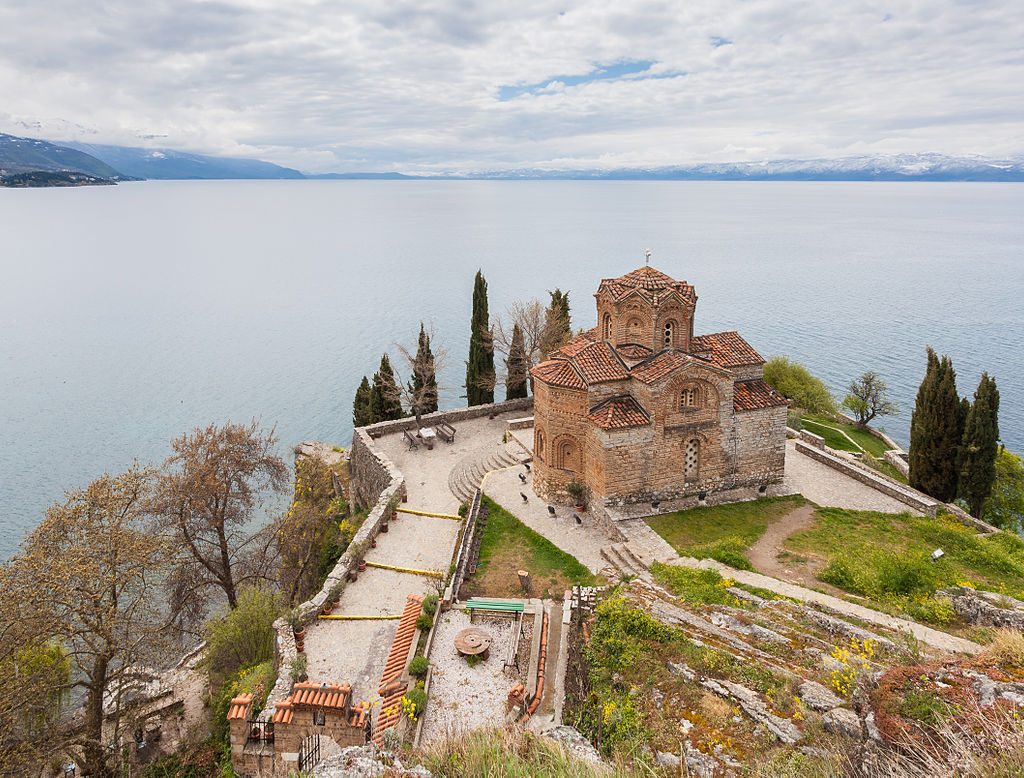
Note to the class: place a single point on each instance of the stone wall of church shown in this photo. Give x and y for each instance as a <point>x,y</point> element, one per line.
<point>561,433</point>
<point>760,446</point>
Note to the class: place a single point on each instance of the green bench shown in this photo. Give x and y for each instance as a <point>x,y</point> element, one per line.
<point>496,606</point>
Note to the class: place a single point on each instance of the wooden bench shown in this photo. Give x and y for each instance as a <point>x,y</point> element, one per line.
<point>475,604</point>
<point>446,432</point>
<point>410,439</point>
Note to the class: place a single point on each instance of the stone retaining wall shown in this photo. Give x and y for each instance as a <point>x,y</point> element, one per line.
<point>896,459</point>
<point>912,497</point>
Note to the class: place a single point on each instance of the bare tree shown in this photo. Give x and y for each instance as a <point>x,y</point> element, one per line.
<point>531,318</point>
<point>91,573</point>
<point>206,497</point>
<point>421,391</point>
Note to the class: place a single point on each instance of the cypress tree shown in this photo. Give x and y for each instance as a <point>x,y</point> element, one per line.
<point>386,396</point>
<point>362,407</point>
<point>480,365</point>
<point>423,384</point>
<point>517,367</point>
<point>980,446</point>
<point>936,431</point>
<point>557,324</point>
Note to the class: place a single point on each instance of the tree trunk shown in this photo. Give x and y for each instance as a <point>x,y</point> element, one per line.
<point>93,753</point>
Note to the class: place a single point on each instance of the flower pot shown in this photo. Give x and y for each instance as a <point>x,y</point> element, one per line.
<point>353,575</point>
<point>300,646</point>
<point>327,609</point>
<point>384,527</point>
<point>300,634</point>
<point>373,543</point>
<point>362,567</point>
<point>580,507</point>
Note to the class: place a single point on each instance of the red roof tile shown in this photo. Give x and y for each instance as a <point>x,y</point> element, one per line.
<point>559,372</point>
<point>752,395</point>
<point>619,413</point>
<point>726,349</point>
<point>391,688</point>
<point>239,707</point>
<point>577,344</point>
<point>633,351</point>
<point>598,362</point>
<point>659,366</point>
<point>648,281</point>
<point>310,694</point>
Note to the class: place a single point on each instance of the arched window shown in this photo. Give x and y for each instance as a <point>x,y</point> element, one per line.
<point>538,444</point>
<point>567,454</point>
<point>691,461</point>
<point>670,331</point>
<point>607,326</point>
<point>689,397</point>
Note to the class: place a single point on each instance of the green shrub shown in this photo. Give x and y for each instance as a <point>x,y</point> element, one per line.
<point>933,610</point>
<point>473,659</point>
<point>430,604</point>
<point>795,381</point>
<point>418,697</point>
<point>694,585</point>
<point>843,574</point>
<point>729,551</point>
<point>424,622</point>
<point>418,666</point>
<point>907,573</point>
<point>463,509</point>
<point>244,636</point>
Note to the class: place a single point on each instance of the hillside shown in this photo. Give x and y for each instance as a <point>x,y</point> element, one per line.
<point>169,165</point>
<point>27,155</point>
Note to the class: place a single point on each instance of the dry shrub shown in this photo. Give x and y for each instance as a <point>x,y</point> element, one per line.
<point>717,710</point>
<point>1006,648</point>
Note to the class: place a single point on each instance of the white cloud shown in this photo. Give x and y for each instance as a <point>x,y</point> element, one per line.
<point>414,85</point>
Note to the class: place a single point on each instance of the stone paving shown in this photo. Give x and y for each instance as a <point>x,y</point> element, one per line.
<point>827,487</point>
<point>583,541</point>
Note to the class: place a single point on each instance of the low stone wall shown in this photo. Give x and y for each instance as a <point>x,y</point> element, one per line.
<point>896,459</point>
<point>912,497</point>
<point>524,423</point>
<point>811,439</point>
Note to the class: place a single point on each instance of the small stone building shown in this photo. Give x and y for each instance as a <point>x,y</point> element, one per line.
<point>275,746</point>
<point>640,409</point>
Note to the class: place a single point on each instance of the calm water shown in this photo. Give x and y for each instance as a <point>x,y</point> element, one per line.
<point>130,314</point>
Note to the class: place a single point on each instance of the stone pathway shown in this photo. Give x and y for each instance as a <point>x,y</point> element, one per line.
<point>827,487</point>
<point>582,540</point>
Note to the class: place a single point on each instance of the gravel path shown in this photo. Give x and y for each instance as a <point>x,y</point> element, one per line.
<point>463,698</point>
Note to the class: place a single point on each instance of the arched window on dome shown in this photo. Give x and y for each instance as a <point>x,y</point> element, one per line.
<point>669,338</point>
<point>691,459</point>
<point>607,326</point>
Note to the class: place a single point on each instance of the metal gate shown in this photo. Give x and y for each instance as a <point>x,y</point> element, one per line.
<point>309,752</point>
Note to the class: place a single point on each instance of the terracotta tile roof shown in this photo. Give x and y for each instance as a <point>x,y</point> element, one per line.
<point>577,344</point>
<point>752,395</point>
<point>657,367</point>
<point>633,351</point>
<point>238,708</point>
<point>391,688</point>
<point>648,281</point>
<point>598,362</point>
<point>559,372</point>
<point>619,413</point>
<point>726,349</point>
<point>310,694</point>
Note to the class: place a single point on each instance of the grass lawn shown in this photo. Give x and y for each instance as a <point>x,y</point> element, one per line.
<point>830,430</point>
<point>886,558</point>
<point>722,532</point>
<point>508,545</point>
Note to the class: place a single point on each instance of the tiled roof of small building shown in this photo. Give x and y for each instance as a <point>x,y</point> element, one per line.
<point>312,695</point>
<point>559,372</point>
<point>633,351</point>
<point>658,366</point>
<point>648,281</point>
<point>239,707</point>
<point>391,688</point>
<point>577,344</point>
<point>598,362</point>
<point>752,395</point>
<point>726,349</point>
<point>619,413</point>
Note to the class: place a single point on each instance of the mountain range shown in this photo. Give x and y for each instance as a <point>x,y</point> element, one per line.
<point>119,163</point>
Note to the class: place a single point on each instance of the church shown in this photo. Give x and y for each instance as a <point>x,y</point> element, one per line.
<point>641,410</point>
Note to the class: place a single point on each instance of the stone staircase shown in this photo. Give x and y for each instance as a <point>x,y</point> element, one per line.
<point>464,479</point>
<point>624,561</point>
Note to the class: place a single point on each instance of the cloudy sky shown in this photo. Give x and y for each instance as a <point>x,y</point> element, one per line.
<point>423,85</point>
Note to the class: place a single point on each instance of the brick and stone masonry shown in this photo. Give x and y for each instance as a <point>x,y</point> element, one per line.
<point>640,409</point>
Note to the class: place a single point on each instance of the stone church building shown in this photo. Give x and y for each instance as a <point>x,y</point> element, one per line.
<point>640,409</point>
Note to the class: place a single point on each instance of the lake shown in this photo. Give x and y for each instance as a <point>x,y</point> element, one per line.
<point>131,314</point>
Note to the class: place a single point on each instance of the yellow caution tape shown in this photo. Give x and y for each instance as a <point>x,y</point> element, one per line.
<point>427,513</point>
<point>413,570</point>
<point>346,617</point>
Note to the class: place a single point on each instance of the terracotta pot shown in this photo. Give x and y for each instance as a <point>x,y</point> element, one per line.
<point>580,508</point>
<point>300,646</point>
<point>384,527</point>
<point>353,575</point>
<point>327,609</point>
<point>362,567</point>
<point>373,543</point>
<point>300,634</point>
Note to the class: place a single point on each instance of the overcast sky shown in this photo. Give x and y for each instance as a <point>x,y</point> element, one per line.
<point>458,86</point>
